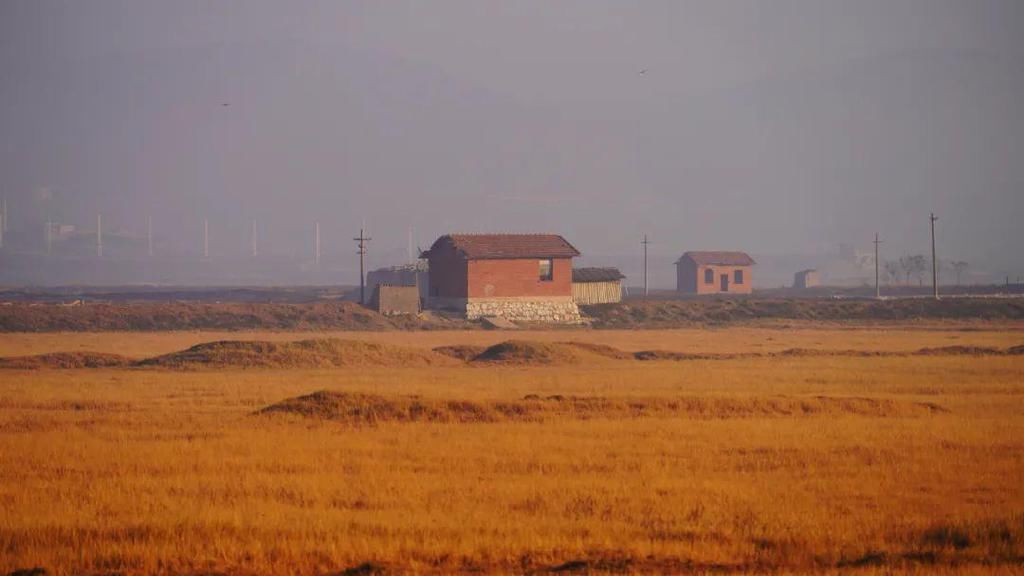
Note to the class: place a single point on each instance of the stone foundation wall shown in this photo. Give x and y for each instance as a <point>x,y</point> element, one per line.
<point>561,310</point>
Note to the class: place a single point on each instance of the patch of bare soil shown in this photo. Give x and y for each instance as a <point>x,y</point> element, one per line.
<point>65,405</point>
<point>962,351</point>
<point>159,316</point>
<point>318,353</point>
<point>65,360</point>
<point>671,356</point>
<point>665,355</point>
<point>713,311</point>
<point>464,352</point>
<point>356,408</point>
<point>600,350</point>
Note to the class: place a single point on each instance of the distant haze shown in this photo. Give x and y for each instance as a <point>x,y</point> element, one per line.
<point>777,127</point>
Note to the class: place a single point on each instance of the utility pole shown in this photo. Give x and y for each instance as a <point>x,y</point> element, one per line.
<point>149,235</point>
<point>361,243</point>
<point>878,293</point>
<point>645,242</point>
<point>49,241</point>
<point>99,235</point>
<point>935,268</point>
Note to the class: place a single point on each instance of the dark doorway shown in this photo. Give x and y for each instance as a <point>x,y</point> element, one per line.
<point>725,282</point>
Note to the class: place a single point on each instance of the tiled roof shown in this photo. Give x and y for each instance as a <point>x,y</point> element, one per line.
<point>501,246</point>
<point>719,258</point>
<point>580,275</point>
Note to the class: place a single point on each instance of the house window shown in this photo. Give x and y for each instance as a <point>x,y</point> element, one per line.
<point>709,276</point>
<point>737,277</point>
<point>546,270</point>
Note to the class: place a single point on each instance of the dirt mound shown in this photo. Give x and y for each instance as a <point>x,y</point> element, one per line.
<point>65,360</point>
<point>464,352</point>
<point>668,355</point>
<point>319,353</point>
<point>363,409</point>
<point>526,352</point>
<point>66,405</point>
<point>359,408</point>
<point>600,350</point>
<point>961,351</point>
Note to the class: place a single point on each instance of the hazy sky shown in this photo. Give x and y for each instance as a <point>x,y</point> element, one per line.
<point>772,126</point>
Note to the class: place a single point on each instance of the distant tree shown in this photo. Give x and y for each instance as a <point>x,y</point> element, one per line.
<point>892,272</point>
<point>918,264</point>
<point>958,266</point>
<point>907,267</point>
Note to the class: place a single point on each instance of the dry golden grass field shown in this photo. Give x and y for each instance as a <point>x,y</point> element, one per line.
<point>762,462</point>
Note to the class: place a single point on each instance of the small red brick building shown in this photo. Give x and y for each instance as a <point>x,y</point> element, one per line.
<point>714,273</point>
<point>524,277</point>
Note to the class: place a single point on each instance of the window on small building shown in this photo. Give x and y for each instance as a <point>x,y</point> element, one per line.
<point>737,277</point>
<point>709,276</point>
<point>546,270</point>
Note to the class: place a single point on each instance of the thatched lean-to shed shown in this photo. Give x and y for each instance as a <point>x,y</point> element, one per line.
<point>596,285</point>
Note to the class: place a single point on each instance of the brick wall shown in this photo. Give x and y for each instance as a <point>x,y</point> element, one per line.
<point>517,278</point>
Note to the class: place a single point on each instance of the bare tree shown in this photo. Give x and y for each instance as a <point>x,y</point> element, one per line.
<point>919,265</point>
<point>958,266</point>
<point>892,272</point>
<point>907,266</point>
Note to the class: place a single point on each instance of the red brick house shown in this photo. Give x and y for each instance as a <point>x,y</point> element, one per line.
<point>714,273</point>
<point>525,277</point>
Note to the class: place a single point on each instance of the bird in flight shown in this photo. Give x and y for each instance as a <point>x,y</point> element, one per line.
<point>644,71</point>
